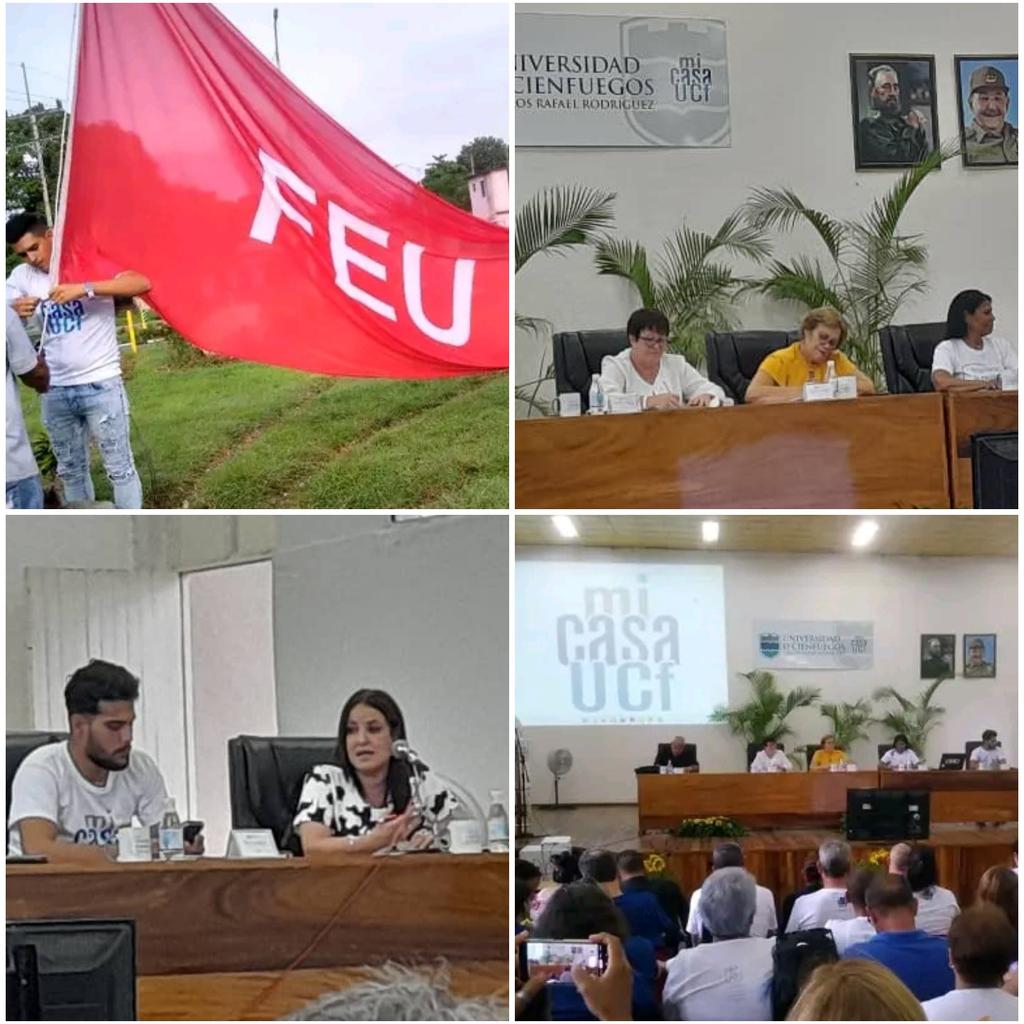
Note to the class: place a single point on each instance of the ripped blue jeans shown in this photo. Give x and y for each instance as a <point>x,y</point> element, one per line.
<point>71,414</point>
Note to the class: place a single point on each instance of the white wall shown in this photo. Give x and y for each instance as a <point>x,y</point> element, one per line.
<point>789,92</point>
<point>904,597</point>
<point>419,609</point>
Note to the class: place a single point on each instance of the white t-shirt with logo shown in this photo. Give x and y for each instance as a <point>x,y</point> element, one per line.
<point>972,1004</point>
<point>848,931</point>
<point>813,909</point>
<point>48,785</point>
<point>728,980</point>
<point>675,377</point>
<point>21,358</point>
<point>765,919</point>
<point>894,759</point>
<point>956,357</point>
<point>988,758</point>
<point>936,908</point>
<point>79,338</point>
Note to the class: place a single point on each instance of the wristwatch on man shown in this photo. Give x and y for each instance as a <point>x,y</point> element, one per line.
<point>90,291</point>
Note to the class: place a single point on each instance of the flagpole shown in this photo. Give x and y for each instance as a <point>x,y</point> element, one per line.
<point>277,52</point>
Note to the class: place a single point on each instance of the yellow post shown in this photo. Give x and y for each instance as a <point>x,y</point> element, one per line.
<point>131,334</point>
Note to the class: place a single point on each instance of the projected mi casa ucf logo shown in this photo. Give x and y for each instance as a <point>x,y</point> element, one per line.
<point>621,655</point>
<point>770,644</point>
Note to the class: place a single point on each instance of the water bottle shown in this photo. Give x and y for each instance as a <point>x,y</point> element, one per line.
<point>497,824</point>
<point>172,837</point>
<point>830,371</point>
<point>596,395</point>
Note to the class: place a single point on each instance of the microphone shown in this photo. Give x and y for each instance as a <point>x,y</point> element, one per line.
<point>402,750</point>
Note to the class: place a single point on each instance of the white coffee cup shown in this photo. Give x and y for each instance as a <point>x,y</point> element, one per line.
<point>464,836</point>
<point>568,404</point>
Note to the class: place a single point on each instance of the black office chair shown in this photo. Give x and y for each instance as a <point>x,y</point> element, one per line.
<point>883,749</point>
<point>753,748</point>
<point>734,356</point>
<point>811,749</point>
<point>578,356</point>
<point>20,745</point>
<point>994,469</point>
<point>265,776</point>
<point>907,352</point>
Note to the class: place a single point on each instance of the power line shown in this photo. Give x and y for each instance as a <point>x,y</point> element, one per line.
<point>31,142</point>
<point>32,67</point>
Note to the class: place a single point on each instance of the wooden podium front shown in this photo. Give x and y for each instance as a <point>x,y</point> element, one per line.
<point>253,940</point>
<point>961,796</point>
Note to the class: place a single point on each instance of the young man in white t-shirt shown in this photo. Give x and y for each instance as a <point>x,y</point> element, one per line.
<point>989,755</point>
<point>24,483</point>
<point>68,800</point>
<point>814,909</point>
<point>86,395</point>
<point>899,757</point>
<point>982,945</point>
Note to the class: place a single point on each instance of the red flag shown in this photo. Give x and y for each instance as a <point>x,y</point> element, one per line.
<point>268,232</point>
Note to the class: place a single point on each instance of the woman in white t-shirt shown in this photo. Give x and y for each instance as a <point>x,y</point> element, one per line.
<point>899,757</point>
<point>936,907</point>
<point>972,358</point>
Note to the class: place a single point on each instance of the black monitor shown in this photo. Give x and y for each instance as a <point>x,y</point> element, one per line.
<point>952,762</point>
<point>887,814</point>
<point>994,469</point>
<point>71,970</point>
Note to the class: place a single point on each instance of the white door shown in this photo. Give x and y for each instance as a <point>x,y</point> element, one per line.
<point>229,680</point>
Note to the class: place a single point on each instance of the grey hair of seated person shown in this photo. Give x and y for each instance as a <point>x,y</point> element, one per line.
<point>834,858</point>
<point>728,900</point>
<point>397,992</point>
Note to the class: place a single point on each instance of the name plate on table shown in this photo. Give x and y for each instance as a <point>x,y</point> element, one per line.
<point>251,844</point>
<point>623,402</point>
<point>846,387</point>
<point>829,390</point>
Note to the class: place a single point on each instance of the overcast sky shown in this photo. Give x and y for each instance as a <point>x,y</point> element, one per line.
<point>409,80</point>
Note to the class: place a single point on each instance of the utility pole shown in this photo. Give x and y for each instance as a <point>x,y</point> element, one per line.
<point>39,150</point>
<point>277,52</point>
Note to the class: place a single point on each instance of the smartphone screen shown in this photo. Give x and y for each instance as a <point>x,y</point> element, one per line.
<point>553,959</point>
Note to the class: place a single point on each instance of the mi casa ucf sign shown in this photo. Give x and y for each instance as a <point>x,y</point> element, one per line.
<point>620,654</point>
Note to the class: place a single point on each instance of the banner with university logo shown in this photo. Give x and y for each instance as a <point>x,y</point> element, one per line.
<point>268,232</point>
<point>813,644</point>
<point>614,81</point>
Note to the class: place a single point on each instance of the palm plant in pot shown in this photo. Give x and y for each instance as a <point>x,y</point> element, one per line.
<point>870,269</point>
<point>764,716</point>
<point>914,718</point>
<point>848,721</point>
<point>555,221</point>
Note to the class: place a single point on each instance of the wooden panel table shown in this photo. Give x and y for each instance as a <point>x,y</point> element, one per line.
<point>302,916</point>
<point>968,413</point>
<point>756,801</point>
<point>962,796</point>
<point>776,858</point>
<point>885,451</point>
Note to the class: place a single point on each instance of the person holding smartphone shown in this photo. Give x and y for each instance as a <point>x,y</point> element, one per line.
<point>69,799</point>
<point>363,802</point>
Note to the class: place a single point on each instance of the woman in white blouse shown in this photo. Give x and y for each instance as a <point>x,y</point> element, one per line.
<point>936,907</point>
<point>662,379</point>
<point>972,358</point>
<point>364,802</point>
<point>899,757</point>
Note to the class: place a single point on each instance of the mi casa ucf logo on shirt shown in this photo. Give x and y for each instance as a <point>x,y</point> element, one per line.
<point>98,831</point>
<point>62,317</point>
<point>621,654</point>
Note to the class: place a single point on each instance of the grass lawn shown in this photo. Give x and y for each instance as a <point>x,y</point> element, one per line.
<point>239,435</point>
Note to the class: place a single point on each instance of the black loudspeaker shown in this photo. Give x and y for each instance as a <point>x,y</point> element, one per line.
<point>994,469</point>
<point>889,814</point>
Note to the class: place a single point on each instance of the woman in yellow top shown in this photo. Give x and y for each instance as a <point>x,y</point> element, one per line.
<point>783,373</point>
<point>826,755</point>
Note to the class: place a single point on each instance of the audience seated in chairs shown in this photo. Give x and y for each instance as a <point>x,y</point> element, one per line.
<point>528,878</point>
<point>765,923</point>
<point>899,858</point>
<point>812,883</point>
<point>936,907</point>
<point>829,902</point>
<point>730,977</point>
<point>998,886</point>
<point>982,945</point>
<point>646,918</point>
<point>847,931</point>
<point>565,868</point>
<point>919,960</point>
<point>855,990</point>
<point>582,909</point>
<point>633,877</point>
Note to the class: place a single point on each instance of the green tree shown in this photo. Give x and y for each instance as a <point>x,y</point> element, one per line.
<point>764,716</point>
<point>24,190</point>
<point>915,719</point>
<point>485,153</point>
<point>448,179</point>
